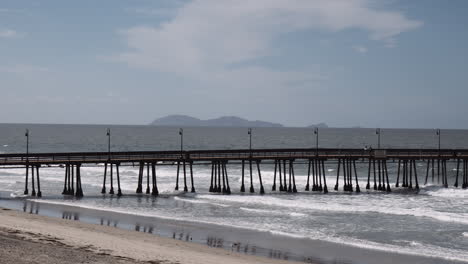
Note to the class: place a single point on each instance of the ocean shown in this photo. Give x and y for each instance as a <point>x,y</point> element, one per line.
<point>426,227</point>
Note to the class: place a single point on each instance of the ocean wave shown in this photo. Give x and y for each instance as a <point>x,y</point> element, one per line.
<point>337,206</point>
<point>199,202</point>
<point>416,248</point>
<point>448,193</point>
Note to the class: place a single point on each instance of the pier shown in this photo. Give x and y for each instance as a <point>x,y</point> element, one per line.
<point>317,160</point>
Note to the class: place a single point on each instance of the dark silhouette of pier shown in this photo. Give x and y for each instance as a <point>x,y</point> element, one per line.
<point>250,160</point>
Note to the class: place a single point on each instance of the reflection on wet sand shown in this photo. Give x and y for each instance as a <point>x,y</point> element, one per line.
<point>70,216</point>
<point>164,230</point>
<point>33,207</point>
<point>109,222</point>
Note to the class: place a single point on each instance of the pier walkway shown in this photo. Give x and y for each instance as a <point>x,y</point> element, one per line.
<point>250,159</point>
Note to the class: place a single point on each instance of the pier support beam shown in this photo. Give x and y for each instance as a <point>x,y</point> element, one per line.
<point>285,187</point>
<point>273,188</point>
<point>416,175</point>
<point>386,176</point>
<point>79,188</point>
<point>119,191</point>
<point>140,178</point>
<point>398,173</point>
<point>212,175</point>
<point>191,176</point>
<point>111,191</point>
<point>338,175</point>
<point>103,191</point>
<point>33,193</point>
<point>458,173</point>
<point>251,176</point>
<point>242,189</point>
<point>465,174</point>
<point>185,176</point>
<point>262,190</point>
<point>228,189</point>
<point>325,189</point>
<point>148,178</point>
<point>39,193</point>
<point>368,175</point>
<point>280,176</point>
<point>26,191</point>
<point>154,191</point>
<point>355,176</point>
<point>373,167</point>
<point>177,177</point>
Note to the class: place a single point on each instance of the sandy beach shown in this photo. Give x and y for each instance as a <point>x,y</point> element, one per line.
<point>28,238</point>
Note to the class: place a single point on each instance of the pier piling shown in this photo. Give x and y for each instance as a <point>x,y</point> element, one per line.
<point>154,191</point>
<point>242,189</point>
<point>262,190</point>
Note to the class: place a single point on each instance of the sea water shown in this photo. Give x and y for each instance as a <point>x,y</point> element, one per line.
<point>431,223</point>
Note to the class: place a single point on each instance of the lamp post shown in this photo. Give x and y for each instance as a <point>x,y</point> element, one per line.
<point>249,132</point>
<point>181,133</point>
<point>377,131</point>
<point>26,134</point>
<point>316,140</point>
<point>108,142</point>
<point>438,134</point>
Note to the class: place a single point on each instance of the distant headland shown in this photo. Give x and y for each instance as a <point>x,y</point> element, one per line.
<point>224,121</point>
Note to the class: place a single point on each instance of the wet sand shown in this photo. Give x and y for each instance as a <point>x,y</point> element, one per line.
<point>29,238</point>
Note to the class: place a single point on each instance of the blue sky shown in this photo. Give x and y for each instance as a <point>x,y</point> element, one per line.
<point>371,63</point>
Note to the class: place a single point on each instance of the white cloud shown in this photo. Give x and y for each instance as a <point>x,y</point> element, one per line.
<point>160,12</point>
<point>219,33</point>
<point>8,33</point>
<point>23,68</point>
<point>360,49</point>
<point>213,40</point>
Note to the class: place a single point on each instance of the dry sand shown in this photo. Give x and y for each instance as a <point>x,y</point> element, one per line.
<point>29,238</point>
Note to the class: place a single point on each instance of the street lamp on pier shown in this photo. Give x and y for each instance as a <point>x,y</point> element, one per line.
<point>249,132</point>
<point>181,133</point>
<point>377,131</point>
<point>108,134</point>
<point>26,134</point>
<point>316,140</point>
<point>438,134</point>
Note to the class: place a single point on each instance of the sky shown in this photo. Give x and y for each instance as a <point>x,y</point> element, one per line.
<point>369,63</point>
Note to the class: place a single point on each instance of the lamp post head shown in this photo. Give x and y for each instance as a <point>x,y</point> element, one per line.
<point>181,131</point>
<point>249,131</point>
<point>108,132</point>
<point>316,130</point>
<point>438,132</point>
<point>26,134</point>
<point>377,131</point>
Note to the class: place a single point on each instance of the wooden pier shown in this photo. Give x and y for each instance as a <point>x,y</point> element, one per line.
<point>250,160</point>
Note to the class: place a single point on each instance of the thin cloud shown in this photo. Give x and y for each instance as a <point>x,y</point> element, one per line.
<point>213,33</point>
<point>9,33</point>
<point>213,41</point>
<point>23,68</point>
<point>360,49</point>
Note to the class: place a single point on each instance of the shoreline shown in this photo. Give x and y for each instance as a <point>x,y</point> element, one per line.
<point>114,242</point>
<point>246,242</point>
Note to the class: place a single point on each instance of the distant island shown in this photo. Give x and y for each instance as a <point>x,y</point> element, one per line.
<point>224,121</point>
<point>319,125</point>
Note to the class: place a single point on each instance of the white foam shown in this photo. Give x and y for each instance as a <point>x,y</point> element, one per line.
<point>199,202</point>
<point>343,205</point>
<point>260,211</point>
<point>416,248</point>
<point>449,193</point>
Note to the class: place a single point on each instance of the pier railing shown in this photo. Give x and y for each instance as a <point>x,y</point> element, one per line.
<point>233,154</point>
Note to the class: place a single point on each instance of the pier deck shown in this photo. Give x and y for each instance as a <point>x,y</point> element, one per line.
<point>283,159</point>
